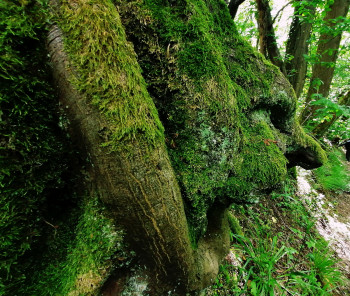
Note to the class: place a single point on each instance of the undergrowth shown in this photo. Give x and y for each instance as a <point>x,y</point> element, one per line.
<point>334,175</point>
<point>277,252</point>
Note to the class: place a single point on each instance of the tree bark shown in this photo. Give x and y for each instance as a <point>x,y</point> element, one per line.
<point>140,189</point>
<point>327,51</point>
<point>297,47</point>
<point>267,39</point>
<point>233,7</point>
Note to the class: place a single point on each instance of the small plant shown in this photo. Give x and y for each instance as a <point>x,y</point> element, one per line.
<point>280,252</point>
<point>262,258</point>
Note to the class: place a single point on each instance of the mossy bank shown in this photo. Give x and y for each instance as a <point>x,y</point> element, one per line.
<point>142,80</point>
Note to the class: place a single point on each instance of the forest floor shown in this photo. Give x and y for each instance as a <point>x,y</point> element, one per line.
<point>332,210</point>
<point>292,241</point>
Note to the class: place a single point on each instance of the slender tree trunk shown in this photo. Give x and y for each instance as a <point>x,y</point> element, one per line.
<point>233,7</point>
<point>324,126</point>
<point>297,46</point>
<point>267,39</point>
<point>327,51</point>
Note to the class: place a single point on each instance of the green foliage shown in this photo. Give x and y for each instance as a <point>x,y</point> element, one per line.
<point>329,106</point>
<point>279,254</point>
<point>334,174</point>
<point>327,110</point>
<point>246,23</point>
<point>34,153</point>
<point>340,129</point>
<point>261,263</point>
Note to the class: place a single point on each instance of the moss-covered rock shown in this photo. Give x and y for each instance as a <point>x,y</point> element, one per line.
<point>229,115</point>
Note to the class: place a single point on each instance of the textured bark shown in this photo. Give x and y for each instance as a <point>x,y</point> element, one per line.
<point>297,47</point>
<point>140,189</point>
<point>327,50</point>
<point>267,39</point>
<point>233,7</point>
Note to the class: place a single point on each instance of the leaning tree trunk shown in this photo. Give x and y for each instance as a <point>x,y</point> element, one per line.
<point>298,46</point>
<point>228,125</point>
<point>327,51</point>
<point>135,179</point>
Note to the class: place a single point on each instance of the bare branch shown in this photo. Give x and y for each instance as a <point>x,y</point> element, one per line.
<point>278,12</point>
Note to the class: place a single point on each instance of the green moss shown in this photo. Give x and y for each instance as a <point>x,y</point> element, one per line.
<point>107,71</point>
<point>263,161</point>
<point>235,227</point>
<point>34,151</point>
<point>301,139</point>
<point>197,53</point>
<point>209,85</point>
<point>77,257</point>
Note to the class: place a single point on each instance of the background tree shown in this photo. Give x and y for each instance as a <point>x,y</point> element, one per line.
<point>298,43</point>
<point>267,39</point>
<point>327,53</point>
<point>233,6</point>
<point>325,32</point>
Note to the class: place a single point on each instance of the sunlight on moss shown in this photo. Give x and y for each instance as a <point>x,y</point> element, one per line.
<point>108,73</point>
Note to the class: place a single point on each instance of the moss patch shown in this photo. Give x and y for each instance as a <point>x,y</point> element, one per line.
<point>108,72</point>
<point>77,257</point>
<point>206,81</point>
<point>34,152</point>
<point>301,139</point>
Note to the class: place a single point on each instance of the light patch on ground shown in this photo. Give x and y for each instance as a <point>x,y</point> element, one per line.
<point>336,232</point>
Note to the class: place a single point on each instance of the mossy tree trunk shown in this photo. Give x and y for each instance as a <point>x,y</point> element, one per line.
<point>226,124</point>
<point>138,185</point>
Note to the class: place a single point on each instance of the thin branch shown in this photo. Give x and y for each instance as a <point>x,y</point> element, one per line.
<point>278,12</point>
<point>48,223</point>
